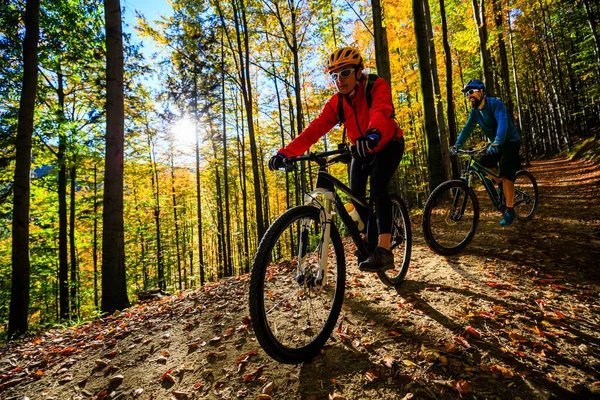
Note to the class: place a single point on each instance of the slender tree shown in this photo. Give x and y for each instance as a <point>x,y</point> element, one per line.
<point>449,91</point>
<point>484,52</point>
<point>114,286</point>
<point>19,299</point>
<point>437,173</point>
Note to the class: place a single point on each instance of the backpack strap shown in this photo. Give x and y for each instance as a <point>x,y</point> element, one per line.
<point>341,116</point>
<point>371,78</point>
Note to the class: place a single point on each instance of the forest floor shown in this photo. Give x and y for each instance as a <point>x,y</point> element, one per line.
<point>516,315</point>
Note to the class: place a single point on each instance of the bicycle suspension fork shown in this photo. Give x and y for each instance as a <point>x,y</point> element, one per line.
<point>325,206</point>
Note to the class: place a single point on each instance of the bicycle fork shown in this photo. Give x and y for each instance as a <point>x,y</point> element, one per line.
<point>459,210</point>
<point>326,216</point>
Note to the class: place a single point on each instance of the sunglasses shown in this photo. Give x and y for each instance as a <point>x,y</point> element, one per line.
<point>471,91</point>
<point>342,74</point>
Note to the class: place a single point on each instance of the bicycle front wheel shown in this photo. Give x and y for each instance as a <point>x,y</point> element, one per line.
<point>526,195</point>
<point>401,244</point>
<point>293,308</point>
<point>450,217</point>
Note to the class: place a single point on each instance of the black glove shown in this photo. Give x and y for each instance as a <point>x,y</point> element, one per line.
<point>366,144</point>
<point>276,162</point>
<point>493,149</point>
<point>454,150</point>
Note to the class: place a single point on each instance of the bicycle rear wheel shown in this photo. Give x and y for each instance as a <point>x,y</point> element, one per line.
<point>526,195</point>
<point>450,217</point>
<point>292,313</point>
<point>401,244</point>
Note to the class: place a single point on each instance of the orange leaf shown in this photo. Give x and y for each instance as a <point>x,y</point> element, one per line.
<point>372,375</point>
<point>252,376</point>
<point>462,387</point>
<point>164,376</point>
<point>461,340</point>
<point>473,332</point>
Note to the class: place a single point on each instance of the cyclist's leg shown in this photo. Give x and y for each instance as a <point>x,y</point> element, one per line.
<point>490,161</point>
<point>384,167</point>
<point>510,163</point>
<point>358,183</point>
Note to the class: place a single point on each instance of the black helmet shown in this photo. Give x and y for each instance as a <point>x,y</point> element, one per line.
<point>474,84</point>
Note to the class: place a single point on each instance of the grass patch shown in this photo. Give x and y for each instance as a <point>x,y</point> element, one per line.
<point>587,149</point>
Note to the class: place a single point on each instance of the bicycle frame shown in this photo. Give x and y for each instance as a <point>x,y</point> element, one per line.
<point>331,203</point>
<point>473,167</point>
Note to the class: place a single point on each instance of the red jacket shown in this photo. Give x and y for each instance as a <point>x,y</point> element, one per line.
<point>357,122</point>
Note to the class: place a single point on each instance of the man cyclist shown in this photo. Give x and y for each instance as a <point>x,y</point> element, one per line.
<point>491,115</point>
<point>372,130</point>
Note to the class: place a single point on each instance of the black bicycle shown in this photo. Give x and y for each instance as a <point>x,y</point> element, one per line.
<point>299,273</point>
<point>451,213</point>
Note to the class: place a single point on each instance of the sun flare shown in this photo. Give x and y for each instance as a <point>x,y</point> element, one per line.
<point>184,131</point>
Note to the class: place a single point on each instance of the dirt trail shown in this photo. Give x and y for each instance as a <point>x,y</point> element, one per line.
<point>515,316</point>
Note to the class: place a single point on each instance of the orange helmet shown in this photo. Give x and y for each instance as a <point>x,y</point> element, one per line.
<point>346,56</point>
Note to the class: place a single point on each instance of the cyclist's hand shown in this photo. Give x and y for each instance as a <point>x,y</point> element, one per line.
<point>366,144</point>
<point>492,149</point>
<point>276,162</point>
<point>454,150</point>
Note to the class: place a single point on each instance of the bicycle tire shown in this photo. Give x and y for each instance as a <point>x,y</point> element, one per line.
<point>401,244</point>
<point>526,195</point>
<point>439,211</point>
<point>260,296</point>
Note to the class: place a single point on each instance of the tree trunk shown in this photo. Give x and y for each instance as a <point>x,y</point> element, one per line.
<point>198,187</point>
<point>435,164</point>
<point>156,192</point>
<point>21,267</point>
<point>95,244</point>
<point>524,135</point>
<point>63,261</point>
<point>437,93</point>
<point>382,55</point>
<point>227,222</point>
<point>175,218</point>
<point>74,281</point>
<point>449,92</point>
<point>243,53</point>
<point>505,86</point>
<point>479,15</point>
<point>114,285</point>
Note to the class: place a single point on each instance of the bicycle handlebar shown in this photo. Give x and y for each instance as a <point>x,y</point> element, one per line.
<point>342,153</point>
<point>471,152</point>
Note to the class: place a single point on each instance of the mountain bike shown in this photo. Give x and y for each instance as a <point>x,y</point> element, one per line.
<point>451,213</point>
<point>298,278</point>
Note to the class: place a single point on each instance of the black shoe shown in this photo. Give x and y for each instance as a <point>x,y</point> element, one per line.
<point>381,260</point>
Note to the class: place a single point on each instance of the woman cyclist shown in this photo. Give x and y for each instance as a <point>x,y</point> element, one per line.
<point>378,141</point>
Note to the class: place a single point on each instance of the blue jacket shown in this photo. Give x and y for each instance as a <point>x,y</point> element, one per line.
<point>493,120</point>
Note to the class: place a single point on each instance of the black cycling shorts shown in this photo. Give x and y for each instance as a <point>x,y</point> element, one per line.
<point>508,156</point>
<point>379,169</point>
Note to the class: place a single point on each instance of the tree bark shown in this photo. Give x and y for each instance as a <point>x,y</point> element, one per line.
<point>95,244</point>
<point>198,187</point>
<point>449,92</point>
<point>176,219</point>
<point>63,260</point>
<point>505,86</point>
<point>479,15</point>
<point>382,55</point>
<point>73,249</point>
<point>435,164</point>
<point>21,267</point>
<point>114,285</point>
<point>437,93</point>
